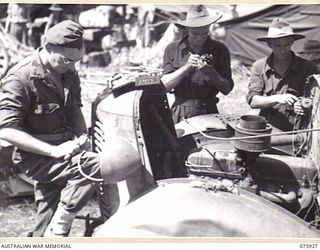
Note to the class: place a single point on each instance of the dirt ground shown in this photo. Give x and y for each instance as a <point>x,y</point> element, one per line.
<point>17,214</point>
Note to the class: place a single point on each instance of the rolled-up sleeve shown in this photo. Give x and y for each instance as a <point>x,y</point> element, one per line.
<point>14,104</point>
<point>256,86</point>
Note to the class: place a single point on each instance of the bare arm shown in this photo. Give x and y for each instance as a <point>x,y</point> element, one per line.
<point>260,102</point>
<point>28,143</point>
<point>172,80</point>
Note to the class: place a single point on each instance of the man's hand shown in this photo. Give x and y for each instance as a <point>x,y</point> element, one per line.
<point>28,143</point>
<point>65,150</point>
<point>205,60</point>
<point>84,142</point>
<point>194,60</point>
<point>261,102</point>
<point>287,99</point>
<point>202,63</point>
<point>298,109</point>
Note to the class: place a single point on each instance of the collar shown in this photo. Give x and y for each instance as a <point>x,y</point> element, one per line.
<point>294,65</point>
<point>38,70</point>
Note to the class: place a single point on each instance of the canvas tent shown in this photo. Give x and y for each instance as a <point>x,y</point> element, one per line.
<point>241,33</point>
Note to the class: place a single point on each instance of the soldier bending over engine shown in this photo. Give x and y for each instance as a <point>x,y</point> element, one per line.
<point>40,115</point>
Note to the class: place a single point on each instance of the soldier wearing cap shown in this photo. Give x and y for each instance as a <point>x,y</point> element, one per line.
<point>40,115</point>
<point>277,81</point>
<point>196,68</point>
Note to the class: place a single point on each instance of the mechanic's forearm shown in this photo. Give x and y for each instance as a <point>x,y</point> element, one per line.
<point>173,79</point>
<point>260,102</point>
<point>26,142</point>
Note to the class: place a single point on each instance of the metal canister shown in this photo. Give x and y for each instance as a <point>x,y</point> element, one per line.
<point>252,125</point>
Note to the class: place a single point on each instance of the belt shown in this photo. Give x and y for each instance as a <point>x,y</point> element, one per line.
<point>65,136</point>
<point>196,102</point>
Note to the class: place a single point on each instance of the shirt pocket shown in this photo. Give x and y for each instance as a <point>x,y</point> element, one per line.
<point>46,108</point>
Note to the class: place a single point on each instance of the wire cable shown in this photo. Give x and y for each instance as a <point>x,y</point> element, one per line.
<point>89,177</point>
<point>251,135</point>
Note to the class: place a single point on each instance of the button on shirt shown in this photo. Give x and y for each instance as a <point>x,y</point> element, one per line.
<point>31,100</point>
<point>176,55</point>
<point>266,82</point>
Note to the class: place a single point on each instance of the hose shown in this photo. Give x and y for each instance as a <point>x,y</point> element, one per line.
<point>251,135</point>
<point>89,177</point>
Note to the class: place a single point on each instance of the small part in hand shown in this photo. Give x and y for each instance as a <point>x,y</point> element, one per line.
<point>306,102</point>
<point>207,58</point>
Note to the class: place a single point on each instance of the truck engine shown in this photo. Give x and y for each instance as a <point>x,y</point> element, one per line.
<point>241,158</point>
<point>289,181</point>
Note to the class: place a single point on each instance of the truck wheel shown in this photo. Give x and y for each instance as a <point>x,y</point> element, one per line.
<point>4,62</point>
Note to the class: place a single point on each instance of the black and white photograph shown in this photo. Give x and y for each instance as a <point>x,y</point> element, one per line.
<point>160,121</point>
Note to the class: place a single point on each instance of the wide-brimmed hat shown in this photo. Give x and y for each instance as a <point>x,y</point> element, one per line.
<point>55,7</point>
<point>311,46</point>
<point>198,16</point>
<point>280,28</point>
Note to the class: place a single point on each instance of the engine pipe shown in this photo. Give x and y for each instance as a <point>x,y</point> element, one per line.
<point>286,139</point>
<point>290,197</point>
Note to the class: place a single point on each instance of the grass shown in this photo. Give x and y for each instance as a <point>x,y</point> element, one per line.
<point>18,214</point>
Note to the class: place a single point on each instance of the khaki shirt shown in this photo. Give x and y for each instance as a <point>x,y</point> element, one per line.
<point>265,81</point>
<point>31,100</point>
